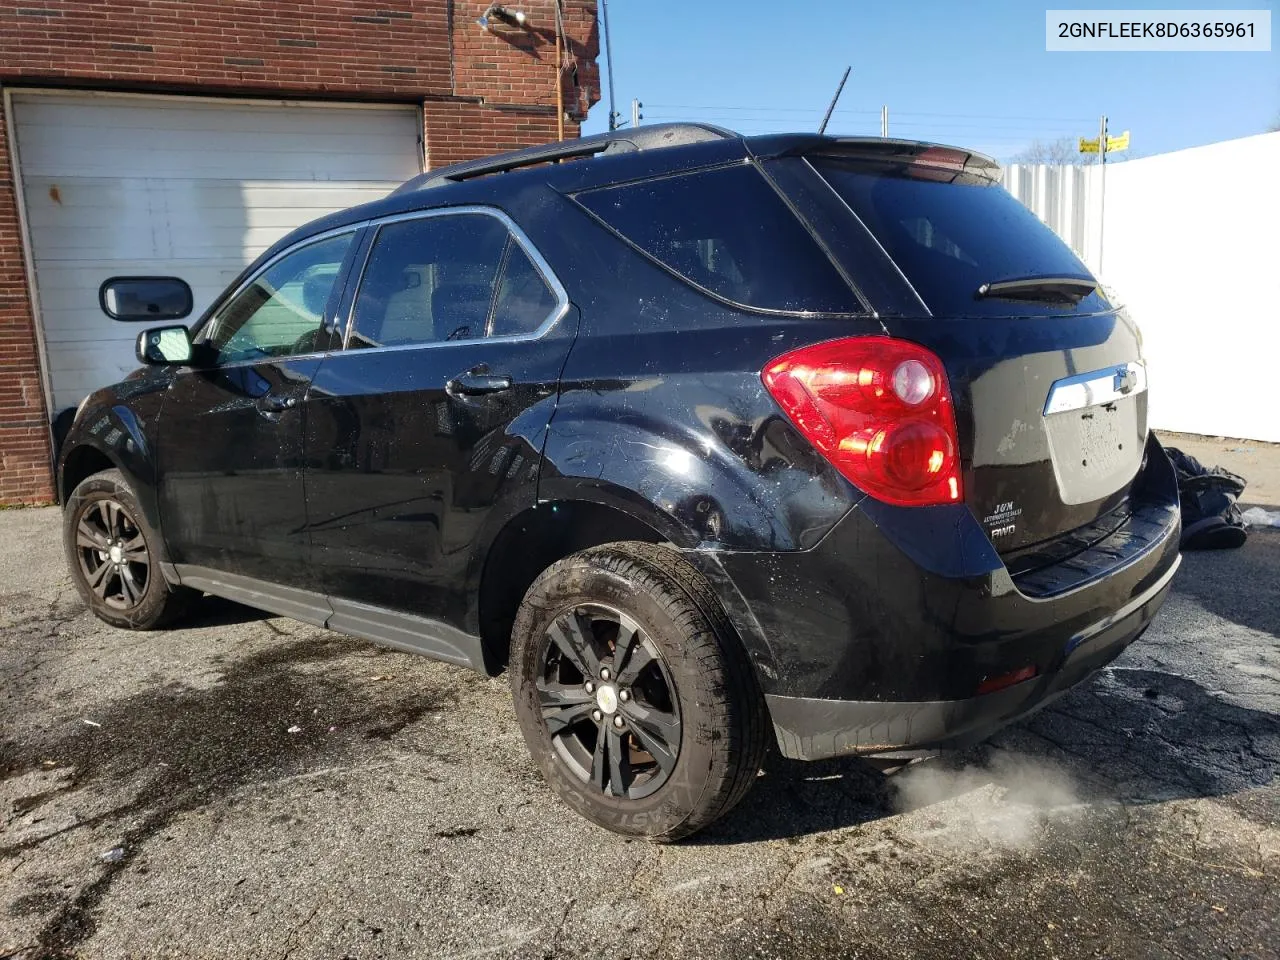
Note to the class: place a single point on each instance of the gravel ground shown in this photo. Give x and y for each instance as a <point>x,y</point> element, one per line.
<point>153,802</point>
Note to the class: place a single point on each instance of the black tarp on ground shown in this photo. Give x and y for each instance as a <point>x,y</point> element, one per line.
<point>1210,518</point>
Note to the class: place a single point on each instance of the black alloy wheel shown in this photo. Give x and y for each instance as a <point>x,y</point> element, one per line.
<point>113,554</point>
<point>608,701</point>
<point>634,694</point>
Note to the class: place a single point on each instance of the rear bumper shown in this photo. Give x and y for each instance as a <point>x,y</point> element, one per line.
<point>885,635</point>
<point>810,728</point>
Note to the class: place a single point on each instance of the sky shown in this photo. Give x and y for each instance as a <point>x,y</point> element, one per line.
<point>974,73</point>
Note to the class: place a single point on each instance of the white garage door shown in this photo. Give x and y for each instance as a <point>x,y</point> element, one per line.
<point>157,186</point>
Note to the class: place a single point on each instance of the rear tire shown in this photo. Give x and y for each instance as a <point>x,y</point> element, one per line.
<point>674,696</point>
<point>115,556</point>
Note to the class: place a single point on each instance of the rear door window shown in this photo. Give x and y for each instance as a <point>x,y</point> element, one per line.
<point>951,233</point>
<point>728,232</point>
<point>429,280</point>
<point>436,279</point>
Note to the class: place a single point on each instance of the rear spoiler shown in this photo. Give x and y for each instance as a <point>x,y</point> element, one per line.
<point>955,160</point>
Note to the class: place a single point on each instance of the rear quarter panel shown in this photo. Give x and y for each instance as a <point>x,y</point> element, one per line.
<point>662,412</point>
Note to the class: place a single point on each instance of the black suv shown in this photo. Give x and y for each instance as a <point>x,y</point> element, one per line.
<point>711,441</point>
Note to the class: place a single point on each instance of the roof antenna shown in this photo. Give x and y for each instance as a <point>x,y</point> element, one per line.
<point>839,89</point>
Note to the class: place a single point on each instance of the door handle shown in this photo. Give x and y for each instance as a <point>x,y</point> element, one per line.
<point>474,383</point>
<point>275,403</point>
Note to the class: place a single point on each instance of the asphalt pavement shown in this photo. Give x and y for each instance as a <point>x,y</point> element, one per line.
<point>249,786</point>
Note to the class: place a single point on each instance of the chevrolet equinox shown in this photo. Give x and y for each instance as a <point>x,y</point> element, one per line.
<point>711,442</point>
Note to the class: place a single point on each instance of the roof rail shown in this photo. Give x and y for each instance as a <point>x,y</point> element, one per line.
<point>650,137</point>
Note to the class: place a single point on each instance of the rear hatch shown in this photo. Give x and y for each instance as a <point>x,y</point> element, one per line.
<point>1047,375</point>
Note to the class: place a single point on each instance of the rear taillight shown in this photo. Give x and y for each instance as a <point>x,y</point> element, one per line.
<point>880,410</point>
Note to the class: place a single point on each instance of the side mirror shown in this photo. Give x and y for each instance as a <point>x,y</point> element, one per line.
<point>164,346</point>
<point>145,298</point>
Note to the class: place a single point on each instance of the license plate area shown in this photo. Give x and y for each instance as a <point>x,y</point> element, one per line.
<point>1098,450</point>
<point>1097,429</point>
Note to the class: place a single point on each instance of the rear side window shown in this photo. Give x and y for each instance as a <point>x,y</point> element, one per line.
<point>455,277</point>
<point>950,234</point>
<point>728,232</point>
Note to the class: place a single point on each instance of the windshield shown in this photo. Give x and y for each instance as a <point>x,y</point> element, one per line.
<point>952,233</point>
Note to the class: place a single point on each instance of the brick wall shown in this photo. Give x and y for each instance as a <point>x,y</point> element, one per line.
<point>24,428</point>
<point>511,64</point>
<point>505,81</point>
<point>464,131</point>
<point>377,47</point>
<point>481,92</point>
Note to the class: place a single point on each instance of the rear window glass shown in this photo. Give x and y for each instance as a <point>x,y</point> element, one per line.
<point>726,231</point>
<point>951,236</point>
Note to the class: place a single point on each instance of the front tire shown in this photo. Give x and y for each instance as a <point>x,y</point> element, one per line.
<point>115,556</point>
<point>633,692</point>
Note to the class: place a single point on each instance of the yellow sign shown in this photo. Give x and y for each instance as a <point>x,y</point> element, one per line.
<point>1113,143</point>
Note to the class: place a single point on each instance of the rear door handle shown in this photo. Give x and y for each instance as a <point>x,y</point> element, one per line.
<point>474,383</point>
<point>275,403</point>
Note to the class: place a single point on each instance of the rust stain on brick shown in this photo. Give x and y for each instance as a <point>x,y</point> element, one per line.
<point>55,194</point>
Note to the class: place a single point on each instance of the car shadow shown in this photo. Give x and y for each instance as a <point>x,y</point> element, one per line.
<point>1230,583</point>
<point>211,611</point>
<point>1129,736</point>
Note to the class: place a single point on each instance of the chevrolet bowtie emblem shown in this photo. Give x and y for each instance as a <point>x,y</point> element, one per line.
<point>1125,380</point>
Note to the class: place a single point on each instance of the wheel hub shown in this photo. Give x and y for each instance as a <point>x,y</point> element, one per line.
<point>607,698</point>
<point>116,553</point>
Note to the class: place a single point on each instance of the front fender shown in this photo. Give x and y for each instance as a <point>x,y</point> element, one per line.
<point>116,424</point>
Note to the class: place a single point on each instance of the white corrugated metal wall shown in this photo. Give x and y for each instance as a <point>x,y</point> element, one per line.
<point>1190,249</point>
<point>1060,196</point>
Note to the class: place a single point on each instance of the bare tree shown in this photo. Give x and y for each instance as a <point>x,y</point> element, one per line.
<point>1062,151</point>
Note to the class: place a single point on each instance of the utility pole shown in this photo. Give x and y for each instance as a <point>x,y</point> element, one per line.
<point>608,52</point>
<point>1102,189</point>
<point>636,115</point>
<point>559,74</point>
<point>1102,147</point>
<point>884,120</point>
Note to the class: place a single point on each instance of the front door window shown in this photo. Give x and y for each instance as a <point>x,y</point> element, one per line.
<point>280,313</point>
